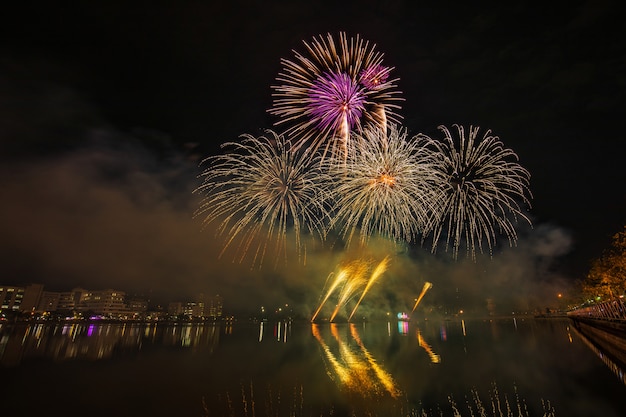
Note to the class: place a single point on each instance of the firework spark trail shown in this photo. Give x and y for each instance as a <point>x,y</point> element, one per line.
<point>378,271</point>
<point>261,190</point>
<point>483,189</point>
<point>332,89</point>
<point>386,186</point>
<point>341,276</point>
<point>357,271</point>
<point>425,288</point>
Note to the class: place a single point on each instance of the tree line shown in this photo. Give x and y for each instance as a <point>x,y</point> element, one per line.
<point>607,275</point>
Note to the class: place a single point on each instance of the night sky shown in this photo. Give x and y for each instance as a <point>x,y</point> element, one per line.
<point>107,108</point>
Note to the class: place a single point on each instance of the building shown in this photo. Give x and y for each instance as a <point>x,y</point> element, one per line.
<point>175,309</point>
<point>32,298</point>
<point>20,299</point>
<point>71,300</point>
<point>107,303</point>
<point>49,302</point>
<point>215,308</point>
<point>137,306</point>
<point>11,298</point>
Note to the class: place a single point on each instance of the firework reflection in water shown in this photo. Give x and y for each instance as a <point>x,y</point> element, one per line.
<point>482,191</point>
<point>356,370</point>
<point>261,190</point>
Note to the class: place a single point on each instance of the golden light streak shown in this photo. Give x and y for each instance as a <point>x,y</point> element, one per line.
<point>356,370</point>
<point>378,271</point>
<point>339,369</point>
<point>383,376</point>
<point>356,281</point>
<point>340,277</point>
<point>425,288</point>
<point>351,278</point>
<point>434,358</point>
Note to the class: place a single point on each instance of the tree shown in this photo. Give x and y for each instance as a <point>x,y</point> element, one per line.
<point>607,276</point>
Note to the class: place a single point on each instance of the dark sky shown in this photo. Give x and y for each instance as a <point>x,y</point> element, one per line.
<point>106,108</point>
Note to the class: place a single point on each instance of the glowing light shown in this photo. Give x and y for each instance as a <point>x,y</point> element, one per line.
<point>341,276</point>
<point>378,271</point>
<point>355,369</point>
<point>338,368</point>
<point>403,327</point>
<point>335,99</point>
<point>351,278</point>
<point>356,281</point>
<point>332,89</point>
<point>482,191</point>
<point>262,189</point>
<point>385,186</point>
<point>402,316</point>
<point>383,376</point>
<point>434,358</point>
<point>426,287</point>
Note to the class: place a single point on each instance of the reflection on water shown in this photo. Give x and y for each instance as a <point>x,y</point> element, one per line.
<point>426,368</point>
<point>613,365</point>
<point>434,358</point>
<point>354,368</point>
<point>95,341</point>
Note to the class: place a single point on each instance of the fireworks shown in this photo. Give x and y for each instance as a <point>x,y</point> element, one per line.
<point>261,190</point>
<point>343,165</point>
<point>332,90</point>
<point>378,271</point>
<point>351,278</point>
<point>427,286</point>
<point>482,192</point>
<point>385,186</point>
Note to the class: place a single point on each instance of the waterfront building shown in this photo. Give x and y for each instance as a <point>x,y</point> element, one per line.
<point>49,302</point>
<point>71,300</point>
<point>20,299</point>
<point>215,308</point>
<point>174,309</point>
<point>11,298</point>
<point>32,297</point>
<point>137,307</point>
<point>108,303</point>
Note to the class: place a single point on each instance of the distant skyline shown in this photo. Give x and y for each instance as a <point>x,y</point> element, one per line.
<point>107,109</point>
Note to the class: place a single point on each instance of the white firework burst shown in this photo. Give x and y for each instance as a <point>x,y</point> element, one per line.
<point>482,192</point>
<point>385,186</point>
<point>261,190</point>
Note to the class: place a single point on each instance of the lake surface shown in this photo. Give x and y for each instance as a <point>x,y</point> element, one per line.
<point>499,367</point>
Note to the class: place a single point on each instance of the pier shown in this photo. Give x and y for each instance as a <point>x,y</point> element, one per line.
<point>603,325</point>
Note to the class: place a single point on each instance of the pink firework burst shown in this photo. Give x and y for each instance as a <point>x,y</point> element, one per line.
<point>333,88</point>
<point>375,76</point>
<point>336,102</point>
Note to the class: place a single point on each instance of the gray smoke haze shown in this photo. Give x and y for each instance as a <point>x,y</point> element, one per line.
<point>116,216</point>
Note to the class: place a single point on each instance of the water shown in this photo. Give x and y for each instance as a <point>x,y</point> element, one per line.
<point>504,367</point>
